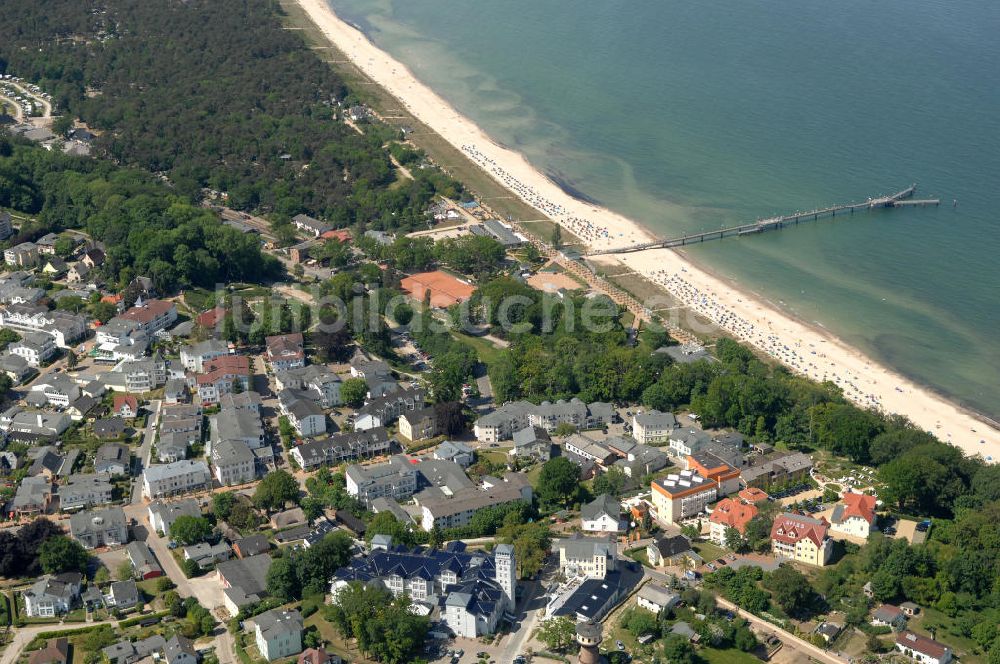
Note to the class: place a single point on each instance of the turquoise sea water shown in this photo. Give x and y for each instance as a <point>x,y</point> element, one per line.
<point>691,115</point>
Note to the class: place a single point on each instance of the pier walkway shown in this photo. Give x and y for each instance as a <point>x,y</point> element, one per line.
<point>899,199</point>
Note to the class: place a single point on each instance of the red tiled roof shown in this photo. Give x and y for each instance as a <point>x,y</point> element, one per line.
<point>225,365</point>
<point>922,644</point>
<point>733,514</point>
<point>211,317</point>
<point>123,399</point>
<point>753,495</point>
<point>342,235</point>
<point>149,311</point>
<point>861,505</point>
<point>792,528</point>
<point>285,345</point>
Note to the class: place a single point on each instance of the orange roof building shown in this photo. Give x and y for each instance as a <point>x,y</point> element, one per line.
<point>341,235</point>
<point>729,513</point>
<point>802,538</point>
<point>445,290</point>
<point>681,495</point>
<point>211,318</point>
<point>711,467</point>
<point>753,495</point>
<point>854,516</point>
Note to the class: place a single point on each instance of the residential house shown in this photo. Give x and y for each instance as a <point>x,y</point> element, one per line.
<point>22,255</point>
<point>122,595</point>
<point>310,226</point>
<point>801,538</point>
<point>109,428</point>
<point>315,382</point>
<point>289,519</point>
<point>687,441</point>
<point>36,348</point>
<point>888,615</point>
<point>456,452</point>
<point>922,649</point>
<point>254,545</point>
<point>36,424</point>
<point>82,491</point>
<point>208,555</point>
<point>93,257</point>
<point>242,425</point>
<point>477,588</point>
<point>171,479</point>
<point>97,528</point>
<point>453,509</point>
<point>711,467</point>
<point>163,514</point>
<point>603,514</point>
<point>137,376</point>
<point>384,410</point>
<point>341,447</point>
<point>194,357</point>
<point>679,496</point>
<point>653,427</point>
<point>776,469</point>
<point>143,562</point>
<point>113,459</point>
<point>233,461</point>
<point>64,327</point>
<point>244,581</point>
<point>278,633</point>
<point>854,515</point>
<point>52,596</point>
<point>670,550</point>
<point>219,375</point>
<point>57,649</point>
<point>591,557</point>
<point>308,656</point>
<point>532,442</point>
<point>32,498</point>
<point>15,367</point>
<point>57,388</point>
<point>180,650</point>
<point>377,375</point>
<point>656,598</point>
<point>285,351</point>
<point>503,422</point>
<point>77,273</point>
<point>129,652</point>
<point>395,479</point>
<point>242,402</point>
<point>419,424</point>
<point>152,316</point>
<point>125,406</point>
<point>729,513</point>
<point>175,391</point>
<point>304,415</point>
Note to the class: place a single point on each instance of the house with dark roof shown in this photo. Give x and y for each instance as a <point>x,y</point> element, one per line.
<point>888,615</point>
<point>143,562</point>
<point>278,633</point>
<point>603,514</point>
<point>112,458</point>
<point>56,652</point>
<point>254,545</point>
<point>670,550</point>
<point>472,590</point>
<point>922,649</point>
<point>51,596</point>
<point>244,581</point>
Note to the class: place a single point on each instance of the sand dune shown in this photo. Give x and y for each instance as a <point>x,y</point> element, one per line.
<point>803,348</point>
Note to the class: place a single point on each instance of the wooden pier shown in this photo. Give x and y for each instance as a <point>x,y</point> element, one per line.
<point>902,198</point>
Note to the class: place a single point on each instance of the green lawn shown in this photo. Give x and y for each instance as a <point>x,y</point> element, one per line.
<point>714,656</point>
<point>709,551</point>
<point>487,352</point>
<point>639,555</point>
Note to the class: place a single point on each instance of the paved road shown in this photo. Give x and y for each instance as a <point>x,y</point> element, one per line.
<point>512,645</point>
<point>24,635</point>
<point>148,437</point>
<point>797,643</point>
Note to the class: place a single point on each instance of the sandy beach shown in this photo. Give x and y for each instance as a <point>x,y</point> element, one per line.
<point>801,347</point>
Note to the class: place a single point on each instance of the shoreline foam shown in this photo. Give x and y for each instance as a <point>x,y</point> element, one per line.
<point>804,348</point>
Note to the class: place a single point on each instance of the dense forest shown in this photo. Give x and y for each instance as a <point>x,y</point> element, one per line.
<point>215,94</point>
<point>147,228</point>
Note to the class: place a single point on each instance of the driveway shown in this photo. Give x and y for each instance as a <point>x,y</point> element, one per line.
<point>24,635</point>
<point>206,589</point>
<point>148,436</point>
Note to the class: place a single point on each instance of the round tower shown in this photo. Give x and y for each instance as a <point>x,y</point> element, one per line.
<point>588,635</point>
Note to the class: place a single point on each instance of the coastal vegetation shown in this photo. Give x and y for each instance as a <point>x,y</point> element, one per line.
<point>217,96</point>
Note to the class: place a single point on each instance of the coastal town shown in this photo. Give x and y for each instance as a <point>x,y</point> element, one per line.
<point>393,424</point>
